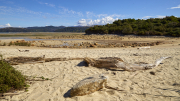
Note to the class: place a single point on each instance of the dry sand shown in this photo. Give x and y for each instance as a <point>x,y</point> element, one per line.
<point>137,86</point>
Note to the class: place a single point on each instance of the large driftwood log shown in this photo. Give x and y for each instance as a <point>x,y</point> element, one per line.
<point>108,62</point>
<point>117,63</point>
<point>32,60</point>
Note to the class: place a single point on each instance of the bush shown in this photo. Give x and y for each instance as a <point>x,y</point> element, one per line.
<point>23,43</point>
<point>10,78</point>
<point>141,33</point>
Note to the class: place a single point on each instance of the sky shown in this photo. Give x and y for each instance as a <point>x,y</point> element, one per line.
<point>29,13</point>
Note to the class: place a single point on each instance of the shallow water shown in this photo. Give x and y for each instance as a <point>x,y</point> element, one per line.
<point>29,39</point>
<point>10,32</point>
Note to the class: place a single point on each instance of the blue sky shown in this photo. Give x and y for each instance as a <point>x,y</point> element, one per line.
<point>28,13</point>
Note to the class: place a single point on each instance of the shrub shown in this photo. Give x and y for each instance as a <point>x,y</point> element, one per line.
<point>4,44</point>
<point>10,78</point>
<point>23,43</point>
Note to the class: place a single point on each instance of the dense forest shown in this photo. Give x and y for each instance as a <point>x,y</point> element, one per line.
<point>72,29</point>
<point>168,26</point>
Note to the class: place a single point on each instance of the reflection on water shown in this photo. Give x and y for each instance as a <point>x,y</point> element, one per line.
<point>29,39</point>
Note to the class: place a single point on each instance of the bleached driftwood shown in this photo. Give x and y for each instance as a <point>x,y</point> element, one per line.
<point>32,60</point>
<point>23,50</point>
<point>108,62</point>
<point>148,47</point>
<point>61,59</point>
<point>22,60</point>
<point>120,64</point>
<point>134,67</point>
<point>90,85</point>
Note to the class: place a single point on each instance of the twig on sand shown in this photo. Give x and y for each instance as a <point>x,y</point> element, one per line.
<point>23,50</point>
<point>148,47</point>
<point>2,95</point>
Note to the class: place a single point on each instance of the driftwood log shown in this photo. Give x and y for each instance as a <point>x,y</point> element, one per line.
<point>23,60</point>
<point>117,63</point>
<point>32,60</point>
<point>108,62</point>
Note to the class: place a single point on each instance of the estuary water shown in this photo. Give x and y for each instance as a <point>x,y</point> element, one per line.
<point>29,39</point>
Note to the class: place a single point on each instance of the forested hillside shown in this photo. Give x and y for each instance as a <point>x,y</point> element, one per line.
<point>168,26</point>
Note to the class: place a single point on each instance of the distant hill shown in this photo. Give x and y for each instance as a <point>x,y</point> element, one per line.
<point>31,29</point>
<point>45,29</point>
<point>72,29</point>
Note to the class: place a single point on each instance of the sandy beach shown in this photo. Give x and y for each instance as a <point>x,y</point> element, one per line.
<point>137,86</point>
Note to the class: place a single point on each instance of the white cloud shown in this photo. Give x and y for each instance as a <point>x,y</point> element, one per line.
<point>20,11</point>
<point>89,14</point>
<point>117,15</point>
<point>6,25</point>
<point>69,12</point>
<point>9,10</point>
<point>157,16</point>
<point>175,7</point>
<point>47,4</point>
<point>102,15</point>
<point>160,16</point>
<point>103,21</point>
<point>146,17</point>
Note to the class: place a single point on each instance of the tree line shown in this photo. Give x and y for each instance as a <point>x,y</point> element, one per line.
<point>168,26</point>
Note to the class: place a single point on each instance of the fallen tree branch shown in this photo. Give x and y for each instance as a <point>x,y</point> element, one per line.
<point>23,60</point>
<point>33,60</point>
<point>117,63</point>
